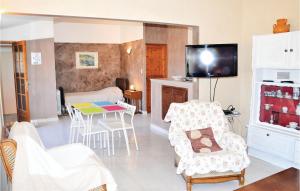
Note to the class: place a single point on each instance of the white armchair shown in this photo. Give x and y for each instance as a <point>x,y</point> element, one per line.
<point>227,164</point>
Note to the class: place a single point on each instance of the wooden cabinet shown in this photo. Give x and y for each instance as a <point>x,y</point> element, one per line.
<point>277,51</point>
<point>134,97</point>
<point>170,95</point>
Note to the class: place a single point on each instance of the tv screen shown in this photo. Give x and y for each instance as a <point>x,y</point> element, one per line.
<point>215,60</point>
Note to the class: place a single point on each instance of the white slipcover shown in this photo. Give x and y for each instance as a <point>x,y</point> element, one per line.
<point>66,168</point>
<point>112,94</point>
<point>198,115</point>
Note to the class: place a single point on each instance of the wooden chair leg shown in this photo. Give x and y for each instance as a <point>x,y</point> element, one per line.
<point>242,178</point>
<point>188,183</point>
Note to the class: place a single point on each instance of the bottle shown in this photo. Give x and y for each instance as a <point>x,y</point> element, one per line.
<point>298,109</point>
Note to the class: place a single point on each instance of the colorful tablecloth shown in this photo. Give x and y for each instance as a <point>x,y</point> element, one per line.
<point>89,108</point>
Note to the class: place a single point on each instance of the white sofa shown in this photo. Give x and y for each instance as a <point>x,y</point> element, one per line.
<point>112,94</point>
<point>73,167</point>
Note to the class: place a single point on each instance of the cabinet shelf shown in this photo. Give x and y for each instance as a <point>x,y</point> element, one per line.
<point>284,98</point>
<point>297,85</point>
<point>281,112</point>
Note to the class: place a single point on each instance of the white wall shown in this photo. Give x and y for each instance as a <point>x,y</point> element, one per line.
<point>29,31</point>
<point>7,80</point>
<point>114,32</point>
<point>86,33</point>
<point>131,31</point>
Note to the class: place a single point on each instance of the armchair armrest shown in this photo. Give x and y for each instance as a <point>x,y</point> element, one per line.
<point>233,142</point>
<point>182,145</point>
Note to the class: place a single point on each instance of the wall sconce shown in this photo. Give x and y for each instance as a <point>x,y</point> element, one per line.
<point>129,49</point>
<point>132,87</point>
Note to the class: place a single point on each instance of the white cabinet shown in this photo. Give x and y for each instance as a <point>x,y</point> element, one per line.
<point>275,57</point>
<point>272,142</point>
<point>294,58</point>
<point>277,51</point>
<point>297,152</point>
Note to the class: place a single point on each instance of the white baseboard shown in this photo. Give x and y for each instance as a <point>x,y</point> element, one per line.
<point>277,161</point>
<point>144,112</point>
<point>159,130</point>
<point>43,120</point>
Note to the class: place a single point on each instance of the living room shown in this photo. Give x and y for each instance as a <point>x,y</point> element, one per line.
<point>205,22</point>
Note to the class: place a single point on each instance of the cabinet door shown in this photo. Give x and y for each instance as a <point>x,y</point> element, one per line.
<point>166,99</point>
<point>297,152</point>
<point>271,51</point>
<point>294,50</point>
<point>272,142</point>
<point>179,95</point>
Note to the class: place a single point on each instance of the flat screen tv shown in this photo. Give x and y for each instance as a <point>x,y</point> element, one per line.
<point>211,60</point>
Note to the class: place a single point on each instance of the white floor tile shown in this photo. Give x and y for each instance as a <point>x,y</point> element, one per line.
<point>152,167</point>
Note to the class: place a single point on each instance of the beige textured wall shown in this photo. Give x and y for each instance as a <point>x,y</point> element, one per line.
<point>156,34</point>
<point>82,80</point>
<point>42,83</point>
<point>7,80</point>
<point>133,65</point>
<point>176,38</point>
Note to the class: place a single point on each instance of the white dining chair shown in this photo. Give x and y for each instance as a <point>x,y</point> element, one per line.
<point>74,125</point>
<point>88,129</point>
<point>116,125</point>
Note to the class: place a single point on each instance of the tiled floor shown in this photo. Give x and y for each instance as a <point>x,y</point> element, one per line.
<point>152,167</point>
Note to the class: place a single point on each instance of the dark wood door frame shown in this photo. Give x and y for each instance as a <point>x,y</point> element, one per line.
<point>162,73</point>
<point>21,80</point>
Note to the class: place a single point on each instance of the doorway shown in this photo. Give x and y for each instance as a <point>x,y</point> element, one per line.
<point>21,80</point>
<point>156,66</point>
<point>14,82</point>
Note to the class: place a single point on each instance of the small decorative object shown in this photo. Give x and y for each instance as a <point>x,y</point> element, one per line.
<point>295,96</point>
<point>287,95</point>
<point>272,119</point>
<point>279,93</point>
<point>273,93</point>
<point>86,60</point>
<point>281,26</point>
<point>268,106</point>
<point>36,58</point>
<point>177,78</point>
<point>298,109</point>
<point>293,125</point>
<point>296,93</point>
<point>284,109</point>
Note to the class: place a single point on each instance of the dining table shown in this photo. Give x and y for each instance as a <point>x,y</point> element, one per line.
<point>89,109</point>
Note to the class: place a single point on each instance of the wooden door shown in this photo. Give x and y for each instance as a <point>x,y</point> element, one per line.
<point>170,95</point>
<point>21,81</point>
<point>156,66</point>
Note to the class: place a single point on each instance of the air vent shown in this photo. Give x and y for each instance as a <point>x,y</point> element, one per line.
<point>283,75</point>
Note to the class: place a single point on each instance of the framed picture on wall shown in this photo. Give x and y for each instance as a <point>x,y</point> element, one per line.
<point>86,60</point>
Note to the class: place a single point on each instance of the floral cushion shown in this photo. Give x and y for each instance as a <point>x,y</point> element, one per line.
<point>203,141</point>
<point>192,115</point>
